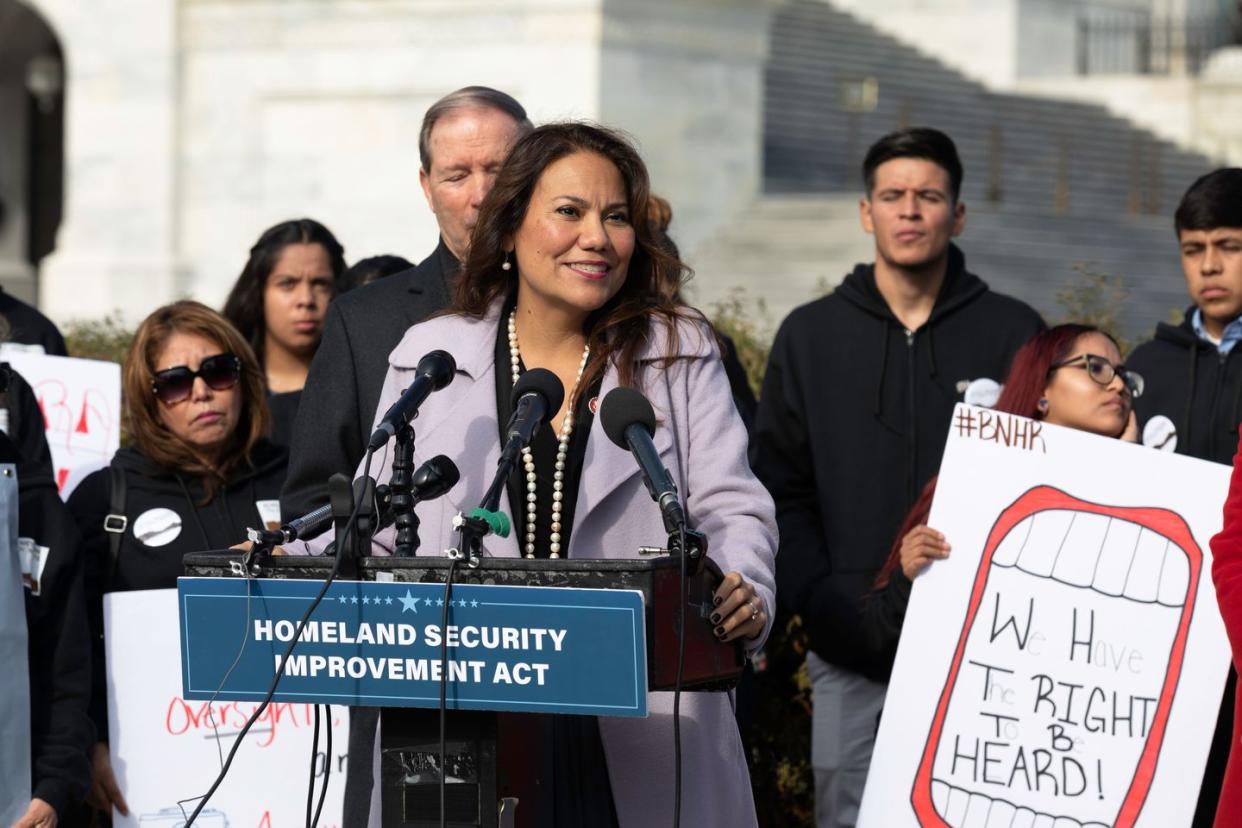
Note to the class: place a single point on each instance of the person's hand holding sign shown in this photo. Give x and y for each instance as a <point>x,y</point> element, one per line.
<point>38,815</point>
<point>920,547</point>
<point>739,611</point>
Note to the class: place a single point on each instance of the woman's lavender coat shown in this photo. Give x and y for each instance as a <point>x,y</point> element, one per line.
<point>701,439</point>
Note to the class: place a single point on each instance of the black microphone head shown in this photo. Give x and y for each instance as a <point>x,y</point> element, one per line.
<point>434,478</point>
<point>439,367</point>
<point>623,407</point>
<point>543,382</point>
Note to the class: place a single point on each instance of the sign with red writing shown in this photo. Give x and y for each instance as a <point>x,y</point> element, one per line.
<point>167,750</point>
<point>81,404</point>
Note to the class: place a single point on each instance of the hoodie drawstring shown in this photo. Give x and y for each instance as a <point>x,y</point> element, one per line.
<point>198,520</point>
<point>878,408</point>
<point>1184,434</point>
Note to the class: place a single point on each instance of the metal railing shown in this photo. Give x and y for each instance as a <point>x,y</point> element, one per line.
<point>1147,45</point>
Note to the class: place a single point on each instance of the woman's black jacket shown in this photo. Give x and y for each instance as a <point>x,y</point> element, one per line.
<point>166,516</point>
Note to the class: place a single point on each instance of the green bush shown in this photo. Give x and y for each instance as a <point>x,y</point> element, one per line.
<point>105,339</point>
<point>749,324</point>
<point>1096,299</point>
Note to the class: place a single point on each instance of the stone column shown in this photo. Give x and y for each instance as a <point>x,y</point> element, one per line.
<point>117,246</point>
<point>685,77</point>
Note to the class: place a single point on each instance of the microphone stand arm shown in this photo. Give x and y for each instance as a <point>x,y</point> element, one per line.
<point>401,493</point>
<point>488,518</point>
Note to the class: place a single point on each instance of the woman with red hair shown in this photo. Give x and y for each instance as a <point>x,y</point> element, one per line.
<point>1070,375</point>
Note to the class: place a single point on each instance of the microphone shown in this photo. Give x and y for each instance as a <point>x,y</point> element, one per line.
<point>537,395</point>
<point>431,480</point>
<point>629,421</point>
<point>434,371</point>
<point>434,478</point>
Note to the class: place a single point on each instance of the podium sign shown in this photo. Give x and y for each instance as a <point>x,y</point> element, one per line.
<point>525,649</point>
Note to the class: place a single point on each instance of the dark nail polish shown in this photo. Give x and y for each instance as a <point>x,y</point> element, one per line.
<point>716,601</point>
<point>715,618</point>
<point>720,632</point>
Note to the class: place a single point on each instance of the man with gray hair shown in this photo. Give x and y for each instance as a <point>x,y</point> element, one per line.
<point>464,140</point>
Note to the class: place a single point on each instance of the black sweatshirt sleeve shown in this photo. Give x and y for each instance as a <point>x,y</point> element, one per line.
<point>60,664</point>
<point>883,613</point>
<point>781,457</point>
<point>89,505</point>
<point>58,641</point>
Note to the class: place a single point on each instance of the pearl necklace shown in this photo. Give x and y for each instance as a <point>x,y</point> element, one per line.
<point>562,451</point>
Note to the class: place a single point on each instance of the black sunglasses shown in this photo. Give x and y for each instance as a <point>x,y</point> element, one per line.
<point>221,372</point>
<point>1103,371</point>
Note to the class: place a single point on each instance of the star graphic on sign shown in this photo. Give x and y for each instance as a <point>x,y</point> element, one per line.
<point>366,600</point>
<point>408,602</point>
<point>440,602</point>
<point>474,603</point>
<point>353,599</point>
<point>427,601</point>
<point>388,600</point>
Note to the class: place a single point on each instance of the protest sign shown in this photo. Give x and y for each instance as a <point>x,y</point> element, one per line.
<point>167,750</point>
<point>1065,664</point>
<point>81,404</point>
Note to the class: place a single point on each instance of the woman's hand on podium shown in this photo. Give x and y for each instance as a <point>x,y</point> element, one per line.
<point>105,793</point>
<point>739,611</point>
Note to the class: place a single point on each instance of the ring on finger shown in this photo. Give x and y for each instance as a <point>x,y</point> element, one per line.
<point>754,609</point>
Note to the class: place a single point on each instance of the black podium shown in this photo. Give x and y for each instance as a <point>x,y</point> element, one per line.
<point>410,737</point>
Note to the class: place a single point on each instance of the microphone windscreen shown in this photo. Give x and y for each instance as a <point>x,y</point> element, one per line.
<point>543,382</point>
<point>623,407</point>
<point>439,367</point>
<point>435,477</point>
<point>446,469</point>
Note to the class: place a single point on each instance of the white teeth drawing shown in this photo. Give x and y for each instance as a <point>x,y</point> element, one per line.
<point>1115,557</point>
<point>1061,684</point>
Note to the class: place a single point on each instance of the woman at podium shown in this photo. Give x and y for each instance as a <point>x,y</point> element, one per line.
<point>198,473</point>
<point>564,274</point>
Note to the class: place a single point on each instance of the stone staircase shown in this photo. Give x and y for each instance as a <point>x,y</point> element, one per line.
<point>1052,187</point>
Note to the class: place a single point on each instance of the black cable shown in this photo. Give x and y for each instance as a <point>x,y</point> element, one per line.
<point>215,729</point>
<point>681,663</point>
<point>284,660</point>
<point>448,602</point>
<point>310,786</point>
<point>327,766</point>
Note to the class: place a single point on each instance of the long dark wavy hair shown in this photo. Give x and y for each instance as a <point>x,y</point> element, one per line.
<point>244,307</point>
<point>619,330</point>
<point>154,439</point>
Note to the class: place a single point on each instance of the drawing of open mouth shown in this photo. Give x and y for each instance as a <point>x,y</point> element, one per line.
<point>1059,692</point>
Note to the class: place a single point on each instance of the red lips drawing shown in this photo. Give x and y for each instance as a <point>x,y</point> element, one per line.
<point>1062,681</point>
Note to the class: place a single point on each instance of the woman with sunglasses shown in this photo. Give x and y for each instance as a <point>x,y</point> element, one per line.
<point>1070,375</point>
<point>199,472</point>
<point>280,302</point>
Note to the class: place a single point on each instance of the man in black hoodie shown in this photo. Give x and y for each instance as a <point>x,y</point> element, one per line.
<point>852,422</point>
<point>1193,396</point>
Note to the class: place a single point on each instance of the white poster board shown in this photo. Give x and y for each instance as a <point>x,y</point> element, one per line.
<point>81,404</point>
<point>164,748</point>
<point>1065,665</point>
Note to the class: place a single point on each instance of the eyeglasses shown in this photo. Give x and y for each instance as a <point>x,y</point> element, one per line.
<point>1102,372</point>
<point>221,372</point>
